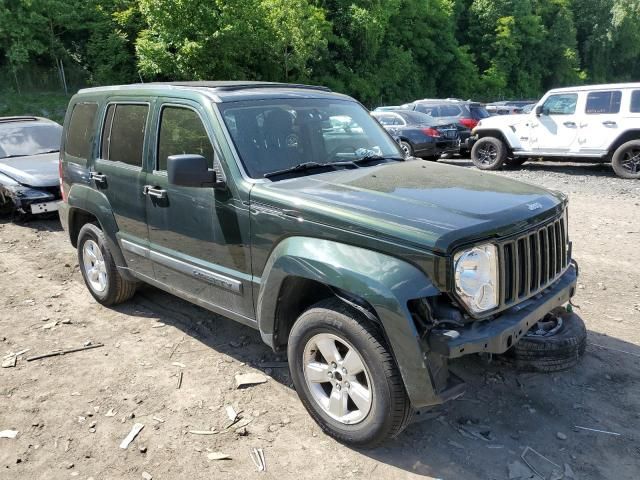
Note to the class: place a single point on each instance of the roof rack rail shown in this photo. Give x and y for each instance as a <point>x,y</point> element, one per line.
<point>229,86</point>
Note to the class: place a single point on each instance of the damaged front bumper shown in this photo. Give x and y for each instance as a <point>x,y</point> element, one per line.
<point>32,200</point>
<point>499,334</point>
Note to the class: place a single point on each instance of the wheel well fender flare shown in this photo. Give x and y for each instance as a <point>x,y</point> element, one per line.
<point>384,282</point>
<point>500,135</point>
<point>624,138</point>
<point>85,203</point>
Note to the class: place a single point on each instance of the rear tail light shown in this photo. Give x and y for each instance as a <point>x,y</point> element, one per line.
<point>431,132</point>
<point>64,196</point>
<point>468,122</point>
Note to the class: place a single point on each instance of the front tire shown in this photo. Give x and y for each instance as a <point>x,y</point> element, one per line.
<point>489,153</point>
<point>345,375</point>
<point>626,160</point>
<point>99,270</point>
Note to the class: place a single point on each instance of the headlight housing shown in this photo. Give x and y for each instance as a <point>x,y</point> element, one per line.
<point>476,277</point>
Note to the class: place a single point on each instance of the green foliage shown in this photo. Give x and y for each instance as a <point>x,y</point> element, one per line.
<point>380,51</point>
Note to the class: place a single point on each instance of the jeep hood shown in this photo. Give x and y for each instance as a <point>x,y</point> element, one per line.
<point>503,121</point>
<point>32,171</point>
<point>427,205</point>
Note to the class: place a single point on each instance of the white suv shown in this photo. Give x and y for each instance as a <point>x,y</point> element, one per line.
<point>599,122</point>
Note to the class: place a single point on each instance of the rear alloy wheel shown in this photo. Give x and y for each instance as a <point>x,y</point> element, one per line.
<point>99,270</point>
<point>406,148</point>
<point>489,153</point>
<point>626,160</point>
<point>345,375</point>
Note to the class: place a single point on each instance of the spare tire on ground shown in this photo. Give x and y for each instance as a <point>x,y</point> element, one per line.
<point>554,343</point>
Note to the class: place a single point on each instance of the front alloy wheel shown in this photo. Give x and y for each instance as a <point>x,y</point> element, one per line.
<point>489,153</point>
<point>345,375</point>
<point>337,378</point>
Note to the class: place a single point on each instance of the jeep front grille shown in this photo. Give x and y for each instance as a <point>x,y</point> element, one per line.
<point>532,261</point>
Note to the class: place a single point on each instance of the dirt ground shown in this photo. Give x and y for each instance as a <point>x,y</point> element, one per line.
<point>60,404</point>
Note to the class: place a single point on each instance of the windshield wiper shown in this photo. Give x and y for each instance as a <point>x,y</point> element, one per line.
<point>372,157</point>
<point>47,151</point>
<point>301,167</point>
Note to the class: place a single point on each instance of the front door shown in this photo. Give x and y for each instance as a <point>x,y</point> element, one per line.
<point>119,174</point>
<point>198,236</point>
<point>556,129</point>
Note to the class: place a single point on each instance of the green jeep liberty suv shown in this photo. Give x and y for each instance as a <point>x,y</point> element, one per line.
<point>290,209</point>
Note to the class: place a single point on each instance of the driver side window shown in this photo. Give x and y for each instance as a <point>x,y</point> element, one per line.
<point>560,104</point>
<point>182,132</point>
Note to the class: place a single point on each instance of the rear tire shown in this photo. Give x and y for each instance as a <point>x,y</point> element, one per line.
<point>626,160</point>
<point>99,270</point>
<point>406,148</point>
<point>489,153</point>
<point>376,404</point>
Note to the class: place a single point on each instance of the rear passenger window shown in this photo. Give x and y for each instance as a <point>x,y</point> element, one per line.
<point>182,132</point>
<point>428,109</point>
<point>123,133</point>
<point>449,111</point>
<point>635,101</point>
<point>79,133</point>
<point>603,102</point>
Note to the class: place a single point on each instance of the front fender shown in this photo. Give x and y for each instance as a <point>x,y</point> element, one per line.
<point>386,283</point>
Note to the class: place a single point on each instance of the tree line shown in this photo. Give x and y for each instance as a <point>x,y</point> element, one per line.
<point>379,51</point>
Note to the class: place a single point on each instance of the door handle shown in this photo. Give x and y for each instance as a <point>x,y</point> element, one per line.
<point>154,192</point>
<point>609,123</point>
<point>570,124</point>
<point>98,177</point>
<point>583,125</point>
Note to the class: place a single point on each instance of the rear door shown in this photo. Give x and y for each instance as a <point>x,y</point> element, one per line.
<point>119,174</point>
<point>599,125</point>
<point>196,234</point>
<point>556,130</point>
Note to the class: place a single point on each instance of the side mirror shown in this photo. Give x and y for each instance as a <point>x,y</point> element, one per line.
<point>190,171</point>
<point>539,110</point>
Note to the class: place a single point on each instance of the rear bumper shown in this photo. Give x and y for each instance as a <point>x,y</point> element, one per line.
<point>499,334</point>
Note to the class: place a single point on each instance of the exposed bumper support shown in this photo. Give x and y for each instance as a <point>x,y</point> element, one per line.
<point>499,334</point>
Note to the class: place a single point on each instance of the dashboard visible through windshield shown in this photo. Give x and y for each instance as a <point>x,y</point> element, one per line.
<point>280,134</point>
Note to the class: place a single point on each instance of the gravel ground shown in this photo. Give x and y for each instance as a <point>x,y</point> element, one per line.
<point>61,406</point>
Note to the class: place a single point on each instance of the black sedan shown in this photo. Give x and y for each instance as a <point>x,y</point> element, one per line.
<point>29,178</point>
<point>419,134</point>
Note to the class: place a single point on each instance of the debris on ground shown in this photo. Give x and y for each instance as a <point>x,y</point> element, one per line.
<point>218,456</point>
<point>64,352</point>
<point>9,362</point>
<point>561,436</point>
<point>179,384</point>
<point>257,455</point>
<point>231,413</point>
<point>519,471</point>
<point>147,476</point>
<point>203,432</point>
<point>132,435</point>
<point>247,379</point>
<point>110,413</point>
<point>568,473</point>
<point>597,431</point>
<point>8,433</point>
<point>540,465</point>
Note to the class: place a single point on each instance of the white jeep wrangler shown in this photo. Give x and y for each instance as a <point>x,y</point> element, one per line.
<point>597,123</point>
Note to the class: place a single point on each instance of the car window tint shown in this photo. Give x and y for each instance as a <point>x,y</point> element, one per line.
<point>386,119</point>
<point>603,102</point>
<point>182,132</point>
<point>417,118</point>
<point>560,104</point>
<point>80,130</point>
<point>428,109</point>
<point>478,112</point>
<point>123,133</point>
<point>449,111</point>
<point>635,101</point>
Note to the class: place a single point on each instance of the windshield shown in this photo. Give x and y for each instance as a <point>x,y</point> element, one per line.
<point>19,139</point>
<point>273,135</point>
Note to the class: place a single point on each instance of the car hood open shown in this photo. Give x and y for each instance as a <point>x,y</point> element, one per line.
<point>430,205</point>
<point>33,171</point>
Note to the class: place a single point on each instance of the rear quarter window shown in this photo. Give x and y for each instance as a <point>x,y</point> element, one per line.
<point>123,133</point>
<point>635,101</point>
<point>80,130</point>
<point>449,111</point>
<point>603,102</point>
